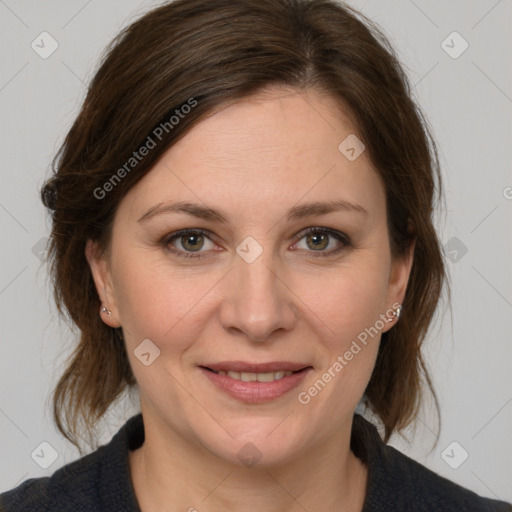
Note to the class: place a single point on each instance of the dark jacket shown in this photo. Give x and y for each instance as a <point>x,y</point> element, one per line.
<point>100,481</point>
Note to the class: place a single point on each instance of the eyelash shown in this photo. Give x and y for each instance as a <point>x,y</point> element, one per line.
<point>341,237</point>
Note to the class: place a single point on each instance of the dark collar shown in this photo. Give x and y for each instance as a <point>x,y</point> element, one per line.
<point>395,481</point>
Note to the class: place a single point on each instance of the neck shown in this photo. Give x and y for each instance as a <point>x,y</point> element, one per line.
<point>177,475</point>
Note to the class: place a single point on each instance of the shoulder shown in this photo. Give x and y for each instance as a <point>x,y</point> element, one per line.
<point>97,481</point>
<point>72,485</point>
<point>420,489</point>
<point>397,482</point>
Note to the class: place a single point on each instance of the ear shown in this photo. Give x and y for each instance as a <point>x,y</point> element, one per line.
<point>100,269</point>
<point>398,279</point>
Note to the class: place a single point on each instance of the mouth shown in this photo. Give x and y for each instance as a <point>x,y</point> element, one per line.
<point>255,383</point>
<point>256,372</point>
<point>256,376</point>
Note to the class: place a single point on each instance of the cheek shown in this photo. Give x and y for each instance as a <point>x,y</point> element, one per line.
<point>349,338</point>
<point>349,302</point>
<point>349,299</point>
<point>157,301</point>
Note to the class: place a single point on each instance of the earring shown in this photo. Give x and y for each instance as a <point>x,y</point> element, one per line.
<point>105,310</point>
<point>396,314</point>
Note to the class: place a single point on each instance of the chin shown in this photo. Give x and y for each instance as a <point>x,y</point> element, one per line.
<point>254,447</point>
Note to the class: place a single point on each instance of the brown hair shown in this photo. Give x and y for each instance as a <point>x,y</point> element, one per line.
<point>210,53</point>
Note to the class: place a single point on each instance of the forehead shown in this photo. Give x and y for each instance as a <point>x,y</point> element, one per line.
<point>267,124</point>
<point>270,149</point>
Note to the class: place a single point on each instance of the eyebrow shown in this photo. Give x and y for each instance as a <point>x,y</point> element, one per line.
<point>294,213</point>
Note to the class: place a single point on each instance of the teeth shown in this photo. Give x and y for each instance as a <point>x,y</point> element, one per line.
<point>260,377</point>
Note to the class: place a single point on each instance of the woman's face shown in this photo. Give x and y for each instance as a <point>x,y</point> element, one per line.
<point>254,288</point>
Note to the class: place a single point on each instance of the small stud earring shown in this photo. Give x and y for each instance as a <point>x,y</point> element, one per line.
<point>105,310</point>
<point>396,314</point>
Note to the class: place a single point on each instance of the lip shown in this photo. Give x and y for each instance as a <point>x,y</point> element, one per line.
<point>256,392</point>
<point>242,366</point>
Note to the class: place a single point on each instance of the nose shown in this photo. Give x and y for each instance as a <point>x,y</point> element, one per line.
<point>256,300</point>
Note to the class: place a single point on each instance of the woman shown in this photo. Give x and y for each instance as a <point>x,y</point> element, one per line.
<point>242,229</point>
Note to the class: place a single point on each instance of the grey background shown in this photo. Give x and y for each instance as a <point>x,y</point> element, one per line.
<point>468,101</point>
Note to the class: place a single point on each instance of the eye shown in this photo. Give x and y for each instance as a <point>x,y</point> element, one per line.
<point>318,239</point>
<point>190,240</point>
<point>188,243</point>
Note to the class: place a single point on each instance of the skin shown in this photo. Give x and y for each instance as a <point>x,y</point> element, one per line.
<point>254,160</point>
